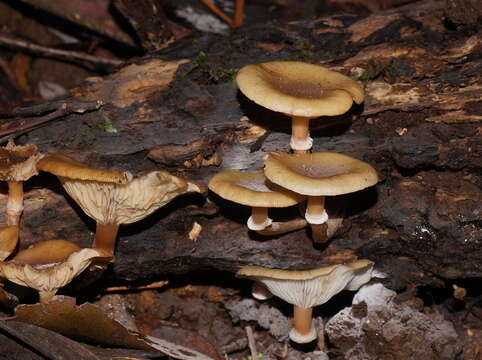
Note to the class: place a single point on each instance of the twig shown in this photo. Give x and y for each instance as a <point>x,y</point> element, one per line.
<point>238,13</point>
<point>56,53</point>
<point>42,108</point>
<point>218,12</point>
<point>251,343</point>
<point>236,345</point>
<point>154,285</point>
<point>64,108</point>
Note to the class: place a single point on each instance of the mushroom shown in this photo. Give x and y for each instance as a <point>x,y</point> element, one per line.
<point>300,90</point>
<point>305,289</point>
<point>49,265</point>
<point>114,198</point>
<point>316,176</point>
<point>254,190</point>
<point>8,240</point>
<point>17,164</point>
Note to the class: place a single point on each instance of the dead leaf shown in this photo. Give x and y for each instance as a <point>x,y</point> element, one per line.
<point>48,343</point>
<point>88,323</point>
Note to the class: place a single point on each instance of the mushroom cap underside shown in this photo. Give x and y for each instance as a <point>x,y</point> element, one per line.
<point>50,277</point>
<point>252,189</point>
<point>62,165</point>
<point>319,174</point>
<point>299,89</point>
<point>18,163</point>
<point>110,203</point>
<point>308,288</point>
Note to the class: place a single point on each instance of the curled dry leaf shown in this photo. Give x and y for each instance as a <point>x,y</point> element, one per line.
<point>45,342</point>
<point>88,323</point>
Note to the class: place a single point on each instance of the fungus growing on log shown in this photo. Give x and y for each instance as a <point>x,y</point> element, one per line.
<point>300,90</point>
<point>17,164</point>
<point>254,190</point>
<point>49,265</point>
<point>305,289</point>
<point>316,176</point>
<point>113,197</point>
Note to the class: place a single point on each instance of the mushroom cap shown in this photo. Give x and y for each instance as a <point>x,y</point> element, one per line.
<point>8,240</point>
<point>112,203</point>
<point>48,278</point>
<point>319,174</point>
<point>308,288</point>
<point>46,252</point>
<point>61,165</point>
<point>18,163</point>
<point>252,189</point>
<point>299,89</point>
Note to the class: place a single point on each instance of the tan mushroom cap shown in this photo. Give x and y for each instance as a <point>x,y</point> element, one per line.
<point>110,203</point>
<point>46,252</point>
<point>319,174</point>
<point>61,165</point>
<point>252,189</point>
<point>18,163</point>
<point>298,88</point>
<point>308,288</point>
<point>47,278</point>
<point>8,240</point>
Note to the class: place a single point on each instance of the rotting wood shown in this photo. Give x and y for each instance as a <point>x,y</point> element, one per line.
<point>419,126</point>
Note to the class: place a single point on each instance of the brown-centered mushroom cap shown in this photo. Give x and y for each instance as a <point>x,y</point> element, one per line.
<point>32,269</point>
<point>18,163</point>
<point>110,203</point>
<point>319,174</point>
<point>64,166</point>
<point>252,189</point>
<point>299,89</point>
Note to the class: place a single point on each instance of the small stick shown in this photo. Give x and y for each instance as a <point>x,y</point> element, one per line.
<point>251,343</point>
<point>29,123</point>
<point>218,12</point>
<point>56,53</point>
<point>154,285</point>
<point>238,13</point>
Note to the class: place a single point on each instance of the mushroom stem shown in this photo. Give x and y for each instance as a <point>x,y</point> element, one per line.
<point>259,219</point>
<point>14,202</point>
<point>315,210</point>
<point>319,232</point>
<point>300,142</point>
<point>284,227</point>
<point>302,320</point>
<point>45,296</point>
<point>105,237</point>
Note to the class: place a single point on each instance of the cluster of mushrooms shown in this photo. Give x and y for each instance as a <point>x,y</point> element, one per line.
<point>110,197</point>
<point>300,90</point>
<point>303,92</point>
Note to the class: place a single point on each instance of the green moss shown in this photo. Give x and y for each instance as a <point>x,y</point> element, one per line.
<point>196,62</point>
<point>106,124</point>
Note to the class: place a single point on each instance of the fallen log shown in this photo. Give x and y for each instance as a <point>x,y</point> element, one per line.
<point>180,111</point>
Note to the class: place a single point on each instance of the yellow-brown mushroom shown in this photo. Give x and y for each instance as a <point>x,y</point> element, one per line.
<point>300,90</point>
